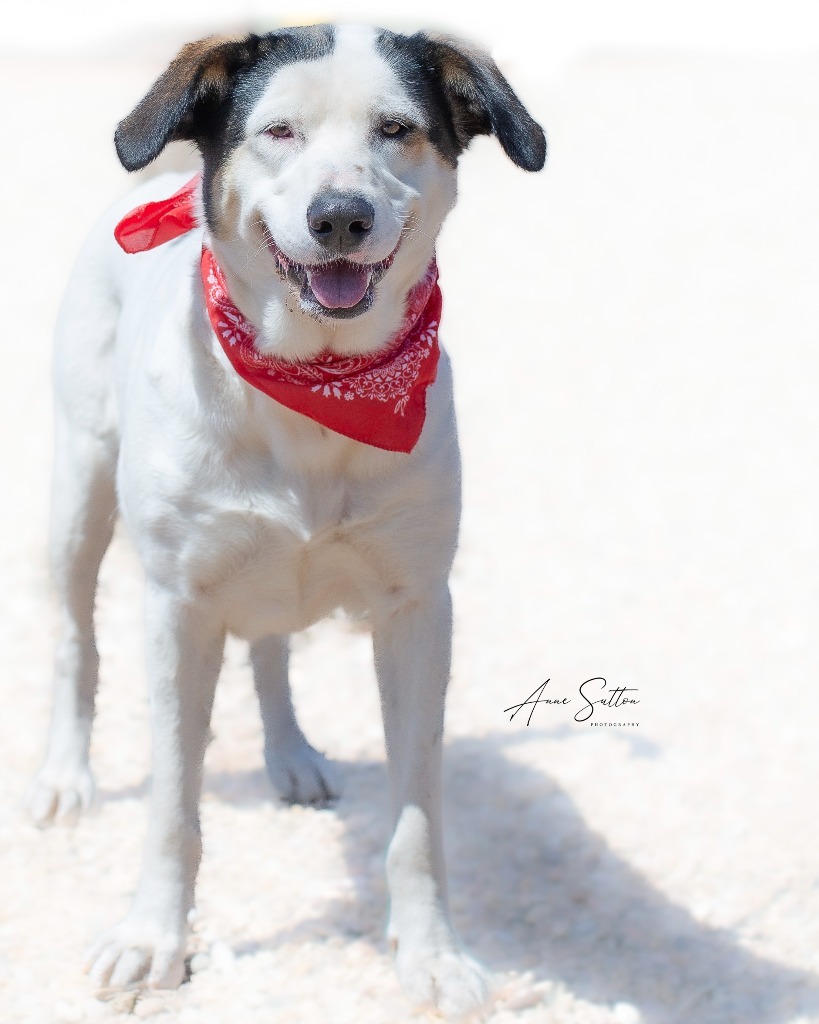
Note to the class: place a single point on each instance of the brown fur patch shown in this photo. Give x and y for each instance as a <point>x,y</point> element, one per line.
<point>458,63</point>
<point>416,147</point>
<point>224,200</point>
<point>483,103</point>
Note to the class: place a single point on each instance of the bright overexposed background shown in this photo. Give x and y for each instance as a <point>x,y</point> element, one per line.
<point>635,341</point>
<point>543,37</point>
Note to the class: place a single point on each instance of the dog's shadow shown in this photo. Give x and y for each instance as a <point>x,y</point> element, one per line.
<point>533,888</point>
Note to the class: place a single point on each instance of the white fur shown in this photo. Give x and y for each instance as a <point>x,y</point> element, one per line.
<point>253,519</point>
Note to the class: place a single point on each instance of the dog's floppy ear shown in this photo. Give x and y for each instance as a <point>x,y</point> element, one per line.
<point>182,100</point>
<point>482,102</point>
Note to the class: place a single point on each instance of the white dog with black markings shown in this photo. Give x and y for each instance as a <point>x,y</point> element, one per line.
<point>329,165</point>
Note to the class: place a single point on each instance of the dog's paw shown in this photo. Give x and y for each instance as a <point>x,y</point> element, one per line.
<point>60,794</point>
<point>138,952</point>
<point>447,979</point>
<point>301,775</point>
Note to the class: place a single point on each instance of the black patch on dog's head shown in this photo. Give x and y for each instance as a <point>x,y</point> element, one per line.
<point>208,90</point>
<point>464,95</point>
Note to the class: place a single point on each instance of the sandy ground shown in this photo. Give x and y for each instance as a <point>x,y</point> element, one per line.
<point>634,334</point>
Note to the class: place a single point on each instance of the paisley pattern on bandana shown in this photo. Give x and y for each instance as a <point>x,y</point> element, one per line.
<point>339,391</point>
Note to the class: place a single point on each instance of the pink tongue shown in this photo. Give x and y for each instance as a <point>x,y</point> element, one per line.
<point>339,285</point>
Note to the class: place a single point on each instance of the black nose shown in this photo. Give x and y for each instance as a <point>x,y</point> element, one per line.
<point>340,221</point>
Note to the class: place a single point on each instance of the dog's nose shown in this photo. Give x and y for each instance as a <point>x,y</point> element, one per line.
<point>340,221</point>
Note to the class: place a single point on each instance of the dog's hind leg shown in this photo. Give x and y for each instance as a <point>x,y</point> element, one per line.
<point>82,521</point>
<point>83,511</point>
<point>298,773</point>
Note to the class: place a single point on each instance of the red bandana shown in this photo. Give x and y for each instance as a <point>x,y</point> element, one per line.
<point>378,398</point>
<point>153,224</point>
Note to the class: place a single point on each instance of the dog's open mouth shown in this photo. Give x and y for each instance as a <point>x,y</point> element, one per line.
<point>340,288</point>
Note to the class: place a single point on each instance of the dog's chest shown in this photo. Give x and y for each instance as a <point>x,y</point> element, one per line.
<point>275,555</point>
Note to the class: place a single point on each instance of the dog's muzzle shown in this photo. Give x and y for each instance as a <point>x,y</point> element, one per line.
<point>339,286</point>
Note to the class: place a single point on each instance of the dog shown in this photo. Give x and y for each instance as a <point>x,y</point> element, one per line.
<point>255,385</point>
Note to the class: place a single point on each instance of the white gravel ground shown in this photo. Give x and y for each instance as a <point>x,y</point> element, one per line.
<point>634,334</point>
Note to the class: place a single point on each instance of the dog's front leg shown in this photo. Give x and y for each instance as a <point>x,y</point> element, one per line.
<point>412,657</point>
<point>184,656</point>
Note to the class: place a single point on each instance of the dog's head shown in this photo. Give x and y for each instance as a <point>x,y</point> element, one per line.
<point>329,160</point>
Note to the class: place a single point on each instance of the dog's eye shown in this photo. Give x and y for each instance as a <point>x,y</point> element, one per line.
<point>393,129</point>
<point>279,131</point>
